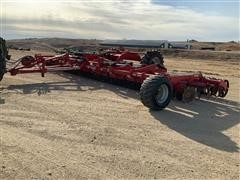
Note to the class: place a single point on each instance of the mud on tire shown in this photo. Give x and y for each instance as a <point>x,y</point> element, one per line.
<point>156,92</point>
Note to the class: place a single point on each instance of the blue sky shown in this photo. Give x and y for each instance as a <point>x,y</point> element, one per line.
<point>216,7</point>
<point>204,20</point>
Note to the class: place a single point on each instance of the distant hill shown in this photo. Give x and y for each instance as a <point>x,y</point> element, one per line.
<point>229,51</point>
<point>50,44</point>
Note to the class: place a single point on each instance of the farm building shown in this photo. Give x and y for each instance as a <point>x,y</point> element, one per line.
<point>146,44</point>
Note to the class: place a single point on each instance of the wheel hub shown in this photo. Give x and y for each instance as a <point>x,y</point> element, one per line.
<point>162,94</point>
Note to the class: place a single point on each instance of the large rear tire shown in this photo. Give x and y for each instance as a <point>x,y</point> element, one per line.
<point>2,68</point>
<point>3,56</point>
<point>156,92</point>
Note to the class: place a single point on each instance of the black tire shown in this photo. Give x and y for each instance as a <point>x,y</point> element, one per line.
<point>149,92</point>
<point>2,71</point>
<point>2,65</point>
<point>3,56</point>
<point>153,57</point>
<point>187,95</point>
<point>179,96</point>
<point>27,60</point>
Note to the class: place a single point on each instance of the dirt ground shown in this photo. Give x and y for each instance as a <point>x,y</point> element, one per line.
<point>65,126</point>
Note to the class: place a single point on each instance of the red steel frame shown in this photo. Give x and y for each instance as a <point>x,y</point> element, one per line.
<point>112,64</point>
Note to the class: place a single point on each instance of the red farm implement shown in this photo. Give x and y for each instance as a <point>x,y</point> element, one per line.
<point>157,86</point>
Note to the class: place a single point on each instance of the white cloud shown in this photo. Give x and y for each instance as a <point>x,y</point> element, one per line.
<point>113,19</point>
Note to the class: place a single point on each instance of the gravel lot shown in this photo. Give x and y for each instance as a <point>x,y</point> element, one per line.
<point>68,126</point>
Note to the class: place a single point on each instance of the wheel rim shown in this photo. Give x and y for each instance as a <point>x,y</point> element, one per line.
<point>162,94</point>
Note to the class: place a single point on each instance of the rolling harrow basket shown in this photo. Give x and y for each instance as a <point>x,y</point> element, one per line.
<point>157,86</point>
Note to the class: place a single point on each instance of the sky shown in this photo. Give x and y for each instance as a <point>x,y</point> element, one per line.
<point>203,20</point>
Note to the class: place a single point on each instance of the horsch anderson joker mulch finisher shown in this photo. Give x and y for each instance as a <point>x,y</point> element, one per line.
<point>157,86</point>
